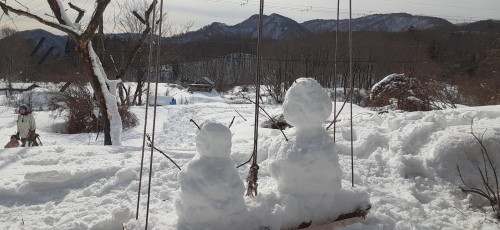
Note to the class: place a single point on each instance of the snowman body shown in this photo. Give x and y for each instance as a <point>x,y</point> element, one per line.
<point>306,168</point>
<point>211,195</point>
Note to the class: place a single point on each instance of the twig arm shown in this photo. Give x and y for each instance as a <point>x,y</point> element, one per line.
<point>152,146</point>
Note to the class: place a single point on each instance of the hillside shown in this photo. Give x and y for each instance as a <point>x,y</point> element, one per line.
<point>279,27</point>
<point>379,22</point>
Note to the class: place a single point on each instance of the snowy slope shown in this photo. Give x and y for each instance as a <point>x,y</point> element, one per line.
<point>406,161</point>
<point>378,22</point>
<point>275,26</point>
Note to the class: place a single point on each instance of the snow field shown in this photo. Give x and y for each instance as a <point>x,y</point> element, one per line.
<point>405,161</point>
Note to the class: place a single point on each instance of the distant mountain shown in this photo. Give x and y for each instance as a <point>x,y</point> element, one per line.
<point>489,26</point>
<point>279,27</point>
<point>275,27</point>
<point>378,22</point>
<point>59,42</point>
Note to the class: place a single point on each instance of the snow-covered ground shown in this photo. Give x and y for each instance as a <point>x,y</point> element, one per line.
<point>405,161</point>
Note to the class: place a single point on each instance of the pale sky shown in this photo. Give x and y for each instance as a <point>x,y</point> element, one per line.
<point>204,12</point>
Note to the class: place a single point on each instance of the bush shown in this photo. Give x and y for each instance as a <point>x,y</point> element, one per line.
<point>410,94</point>
<point>279,122</point>
<point>81,111</point>
<point>489,185</point>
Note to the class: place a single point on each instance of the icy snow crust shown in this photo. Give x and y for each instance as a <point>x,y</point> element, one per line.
<point>406,161</point>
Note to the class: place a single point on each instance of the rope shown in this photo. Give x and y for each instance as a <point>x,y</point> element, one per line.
<point>158,67</point>
<point>254,169</point>
<point>335,70</point>
<point>146,115</point>
<point>352,89</point>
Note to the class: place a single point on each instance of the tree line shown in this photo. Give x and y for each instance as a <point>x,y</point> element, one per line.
<point>463,56</point>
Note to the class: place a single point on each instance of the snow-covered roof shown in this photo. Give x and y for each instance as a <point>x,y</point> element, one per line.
<point>204,81</point>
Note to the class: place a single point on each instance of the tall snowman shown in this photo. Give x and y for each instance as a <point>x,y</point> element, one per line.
<point>211,195</point>
<point>306,168</point>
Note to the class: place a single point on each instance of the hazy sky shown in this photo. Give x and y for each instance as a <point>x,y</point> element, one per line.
<point>204,12</point>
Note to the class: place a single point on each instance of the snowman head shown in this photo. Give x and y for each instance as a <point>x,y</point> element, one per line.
<point>214,140</point>
<point>306,104</point>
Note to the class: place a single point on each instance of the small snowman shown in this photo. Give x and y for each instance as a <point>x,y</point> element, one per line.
<point>211,195</point>
<point>306,168</point>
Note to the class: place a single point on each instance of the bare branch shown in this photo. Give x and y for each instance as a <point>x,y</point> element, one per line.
<point>194,122</point>
<point>231,122</point>
<point>150,9</point>
<point>139,43</point>
<point>246,162</point>
<point>337,115</point>
<point>79,10</point>
<point>152,146</point>
<point>60,27</point>
<point>267,114</point>
<point>239,114</point>
<point>139,17</point>
<point>56,10</point>
<point>94,22</point>
<point>133,54</point>
<point>484,152</point>
<point>492,195</point>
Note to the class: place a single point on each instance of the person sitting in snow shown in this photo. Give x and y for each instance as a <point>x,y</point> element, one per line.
<point>26,126</point>
<point>173,101</point>
<point>13,143</point>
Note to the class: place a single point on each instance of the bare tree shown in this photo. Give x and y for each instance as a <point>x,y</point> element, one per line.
<point>104,88</point>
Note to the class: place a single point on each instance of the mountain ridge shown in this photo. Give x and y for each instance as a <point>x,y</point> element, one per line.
<point>278,27</point>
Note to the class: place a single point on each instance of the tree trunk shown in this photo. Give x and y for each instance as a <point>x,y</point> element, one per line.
<point>106,99</point>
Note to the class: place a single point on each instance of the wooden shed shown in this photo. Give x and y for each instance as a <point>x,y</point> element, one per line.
<point>203,85</point>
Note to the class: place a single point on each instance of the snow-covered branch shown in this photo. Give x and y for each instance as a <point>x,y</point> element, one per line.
<point>65,28</point>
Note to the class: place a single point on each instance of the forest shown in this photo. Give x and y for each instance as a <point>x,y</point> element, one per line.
<point>463,57</point>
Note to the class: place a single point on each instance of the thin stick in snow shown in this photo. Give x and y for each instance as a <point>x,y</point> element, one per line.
<point>267,114</point>
<point>239,114</point>
<point>194,122</point>
<point>231,122</point>
<point>152,146</point>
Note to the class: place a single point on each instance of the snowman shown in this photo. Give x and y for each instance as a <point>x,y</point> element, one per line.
<point>211,195</point>
<point>306,168</point>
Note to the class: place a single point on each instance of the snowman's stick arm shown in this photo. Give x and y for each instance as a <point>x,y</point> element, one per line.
<point>246,162</point>
<point>232,122</point>
<point>194,122</point>
<point>152,146</point>
<point>239,114</point>
<point>337,115</point>
<point>267,114</point>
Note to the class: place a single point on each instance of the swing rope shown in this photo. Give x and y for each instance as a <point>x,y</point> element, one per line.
<point>352,89</point>
<point>148,77</point>
<point>335,70</point>
<point>254,168</point>
<point>158,68</point>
